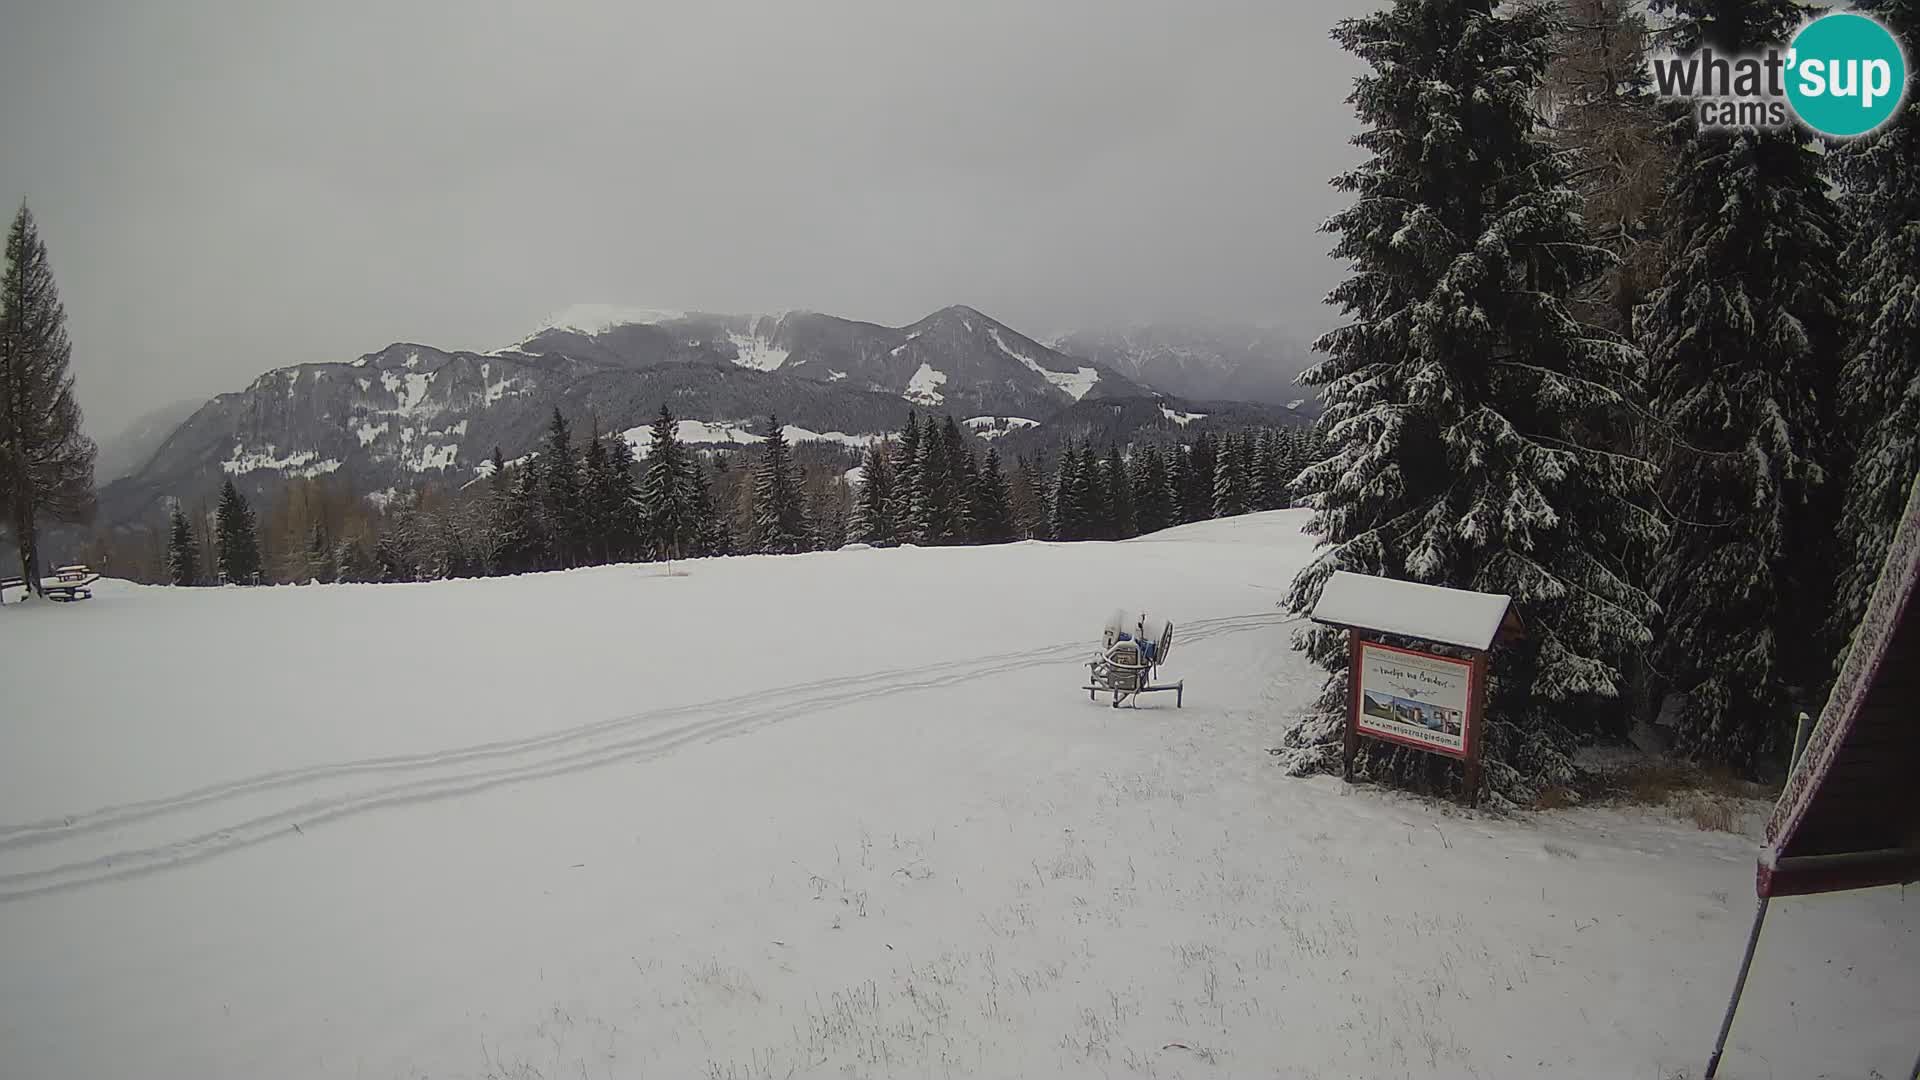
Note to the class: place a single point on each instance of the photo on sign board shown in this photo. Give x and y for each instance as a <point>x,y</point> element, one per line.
<point>1414,697</point>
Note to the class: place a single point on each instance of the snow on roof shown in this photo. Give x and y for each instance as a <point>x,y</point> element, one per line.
<point>1410,609</point>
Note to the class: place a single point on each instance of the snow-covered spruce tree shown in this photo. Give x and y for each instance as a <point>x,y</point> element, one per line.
<point>1152,495</point>
<point>599,505</point>
<point>46,461</point>
<point>1742,345</point>
<point>963,473</point>
<point>1196,500</point>
<point>1880,379</point>
<point>1179,481</point>
<point>621,496</point>
<point>873,510</point>
<point>560,502</point>
<point>1230,477</point>
<point>714,532</point>
<point>1090,491</point>
<point>515,518</point>
<point>183,553</point>
<point>934,484</point>
<point>906,479</point>
<point>1460,395</point>
<point>1063,501</point>
<point>1030,514</point>
<point>1120,516</point>
<point>239,544</point>
<point>1270,471</point>
<point>779,516</point>
<point>992,503</point>
<point>667,508</point>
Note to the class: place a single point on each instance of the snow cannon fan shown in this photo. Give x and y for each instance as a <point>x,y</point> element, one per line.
<point>1131,652</point>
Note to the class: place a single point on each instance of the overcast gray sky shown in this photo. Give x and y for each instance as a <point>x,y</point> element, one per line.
<point>229,187</point>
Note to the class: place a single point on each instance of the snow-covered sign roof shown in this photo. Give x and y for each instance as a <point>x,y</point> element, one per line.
<point>1850,815</point>
<point>1409,609</point>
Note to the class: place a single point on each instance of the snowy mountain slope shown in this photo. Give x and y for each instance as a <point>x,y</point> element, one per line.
<point>956,358</point>
<point>650,841</point>
<point>126,450</point>
<point>1217,362</point>
<point>410,414</point>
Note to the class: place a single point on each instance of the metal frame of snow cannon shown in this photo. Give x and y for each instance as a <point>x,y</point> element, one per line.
<point>1124,672</point>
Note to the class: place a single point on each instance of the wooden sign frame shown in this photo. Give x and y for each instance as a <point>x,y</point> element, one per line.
<point>1471,740</point>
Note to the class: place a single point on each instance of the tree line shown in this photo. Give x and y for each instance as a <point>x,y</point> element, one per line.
<point>1605,360</point>
<point>588,502</point>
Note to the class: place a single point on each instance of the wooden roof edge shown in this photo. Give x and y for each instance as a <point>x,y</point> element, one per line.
<point>1889,606</point>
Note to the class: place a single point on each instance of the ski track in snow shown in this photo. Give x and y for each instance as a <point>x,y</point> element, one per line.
<point>554,754</point>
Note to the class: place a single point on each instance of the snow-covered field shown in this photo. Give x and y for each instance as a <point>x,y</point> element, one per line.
<point>829,815</point>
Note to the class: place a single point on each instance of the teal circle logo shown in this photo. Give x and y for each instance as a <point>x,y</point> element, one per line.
<point>1846,74</point>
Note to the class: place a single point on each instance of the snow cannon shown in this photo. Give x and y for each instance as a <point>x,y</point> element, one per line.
<point>1132,648</point>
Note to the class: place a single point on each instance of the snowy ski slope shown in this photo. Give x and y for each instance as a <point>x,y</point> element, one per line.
<point>841,814</point>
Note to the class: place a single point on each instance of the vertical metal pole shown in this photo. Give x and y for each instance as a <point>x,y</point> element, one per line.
<point>1739,986</point>
<point>1802,731</point>
<point>1351,745</point>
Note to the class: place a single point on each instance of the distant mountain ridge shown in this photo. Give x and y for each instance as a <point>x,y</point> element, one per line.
<point>956,359</point>
<point>411,413</point>
<point>1214,362</point>
<point>126,450</point>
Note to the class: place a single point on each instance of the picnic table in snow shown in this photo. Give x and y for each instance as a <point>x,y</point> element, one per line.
<point>67,584</point>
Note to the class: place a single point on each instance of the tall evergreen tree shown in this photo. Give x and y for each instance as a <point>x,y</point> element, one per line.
<point>716,523</point>
<point>519,524</point>
<point>667,495</point>
<point>906,480</point>
<point>934,517</point>
<point>992,503</point>
<point>1069,511</point>
<point>238,543</point>
<point>622,497</point>
<point>1197,499</point>
<point>46,461</point>
<point>1880,379</point>
<point>1602,111</point>
<point>1460,395</point>
<point>1179,482</point>
<point>1030,514</point>
<point>1120,510</point>
<point>559,469</point>
<point>601,500</point>
<point>1742,340</point>
<point>1090,491</point>
<point>183,553</point>
<point>1230,478</point>
<point>964,477</point>
<point>779,515</point>
<point>1153,507</point>
<point>873,512</point>
<point>1270,479</point>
